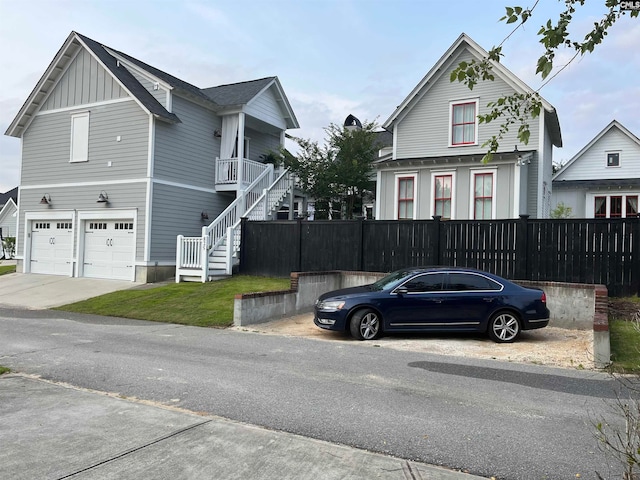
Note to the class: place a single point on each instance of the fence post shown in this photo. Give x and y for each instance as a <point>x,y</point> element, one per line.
<point>437,226</point>
<point>243,236</point>
<point>522,248</point>
<point>298,236</point>
<point>635,264</point>
<point>361,244</point>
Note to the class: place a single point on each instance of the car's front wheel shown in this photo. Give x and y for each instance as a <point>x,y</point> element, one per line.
<point>365,324</point>
<point>504,327</point>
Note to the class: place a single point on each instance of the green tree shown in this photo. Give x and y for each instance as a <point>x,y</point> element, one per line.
<point>519,108</point>
<point>562,211</point>
<point>336,174</point>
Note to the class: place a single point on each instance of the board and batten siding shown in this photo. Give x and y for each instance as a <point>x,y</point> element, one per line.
<point>82,198</point>
<point>84,82</point>
<point>592,165</point>
<point>261,143</point>
<point>176,211</point>
<point>46,147</point>
<point>186,152</point>
<point>424,131</point>
<point>266,108</point>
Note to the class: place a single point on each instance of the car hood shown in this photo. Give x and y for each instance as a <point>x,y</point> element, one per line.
<point>345,292</point>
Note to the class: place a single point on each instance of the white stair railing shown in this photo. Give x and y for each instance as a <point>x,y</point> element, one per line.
<point>257,202</point>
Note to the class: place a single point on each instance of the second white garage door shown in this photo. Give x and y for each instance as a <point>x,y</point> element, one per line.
<point>109,249</point>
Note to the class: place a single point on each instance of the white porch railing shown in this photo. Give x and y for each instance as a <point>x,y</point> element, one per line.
<point>230,171</point>
<point>192,253</point>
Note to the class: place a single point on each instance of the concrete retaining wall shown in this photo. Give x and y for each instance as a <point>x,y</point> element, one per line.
<point>572,305</point>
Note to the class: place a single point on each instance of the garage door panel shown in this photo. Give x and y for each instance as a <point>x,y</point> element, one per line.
<point>51,247</point>
<point>109,248</point>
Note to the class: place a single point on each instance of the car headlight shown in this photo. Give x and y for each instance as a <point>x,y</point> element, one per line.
<point>330,305</point>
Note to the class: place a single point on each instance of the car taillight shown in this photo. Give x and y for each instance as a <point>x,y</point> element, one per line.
<point>543,299</point>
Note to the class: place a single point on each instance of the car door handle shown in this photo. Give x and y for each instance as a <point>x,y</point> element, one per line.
<point>435,300</point>
<point>488,299</point>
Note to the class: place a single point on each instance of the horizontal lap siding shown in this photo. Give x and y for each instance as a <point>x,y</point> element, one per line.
<point>424,132</point>
<point>592,164</point>
<point>83,198</point>
<point>47,144</point>
<point>84,82</point>
<point>176,211</point>
<point>267,108</point>
<point>186,152</point>
<point>261,144</point>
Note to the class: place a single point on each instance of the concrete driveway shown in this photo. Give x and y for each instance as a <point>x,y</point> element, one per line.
<point>39,292</point>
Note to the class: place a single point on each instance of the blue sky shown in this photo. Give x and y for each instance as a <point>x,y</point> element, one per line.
<point>333,57</point>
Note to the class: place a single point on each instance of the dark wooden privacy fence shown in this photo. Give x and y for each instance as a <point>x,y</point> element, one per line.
<point>600,251</point>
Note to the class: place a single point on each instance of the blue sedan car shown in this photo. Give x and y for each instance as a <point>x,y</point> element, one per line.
<point>434,299</point>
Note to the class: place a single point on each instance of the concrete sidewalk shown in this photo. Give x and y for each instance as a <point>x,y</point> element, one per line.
<point>52,431</point>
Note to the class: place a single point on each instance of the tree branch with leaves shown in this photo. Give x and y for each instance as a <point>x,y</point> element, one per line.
<point>518,108</point>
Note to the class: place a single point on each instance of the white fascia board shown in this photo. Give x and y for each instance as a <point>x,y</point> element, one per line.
<point>39,86</point>
<point>139,70</point>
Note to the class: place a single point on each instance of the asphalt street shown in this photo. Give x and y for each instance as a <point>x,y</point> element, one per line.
<point>511,421</point>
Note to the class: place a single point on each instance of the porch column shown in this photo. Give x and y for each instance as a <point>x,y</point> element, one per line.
<point>240,149</point>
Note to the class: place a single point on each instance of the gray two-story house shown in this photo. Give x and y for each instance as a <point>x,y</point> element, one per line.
<point>435,165</point>
<point>120,158</point>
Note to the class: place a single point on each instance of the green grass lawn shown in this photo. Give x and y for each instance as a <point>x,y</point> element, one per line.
<point>7,269</point>
<point>625,335</point>
<point>199,304</point>
<point>4,370</point>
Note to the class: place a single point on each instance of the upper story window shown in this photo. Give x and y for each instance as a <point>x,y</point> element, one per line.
<point>464,122</point>
<point>613,159</point>
<point>80,137</point>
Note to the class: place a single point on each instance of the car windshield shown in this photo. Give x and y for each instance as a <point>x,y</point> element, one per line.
<point>391,280</point>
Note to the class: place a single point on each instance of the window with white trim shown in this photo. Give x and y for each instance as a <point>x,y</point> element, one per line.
<point>615,206</point>
<point>463,122</point>
<point>483,195</point>
<point>613,159</point>
<point>80,137</point>
<point>443,195</point>
<point>406,198</point>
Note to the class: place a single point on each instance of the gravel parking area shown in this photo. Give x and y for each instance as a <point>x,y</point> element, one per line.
<point>550,346</point>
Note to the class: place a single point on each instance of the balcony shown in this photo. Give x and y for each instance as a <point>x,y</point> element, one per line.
<point>234,174</point>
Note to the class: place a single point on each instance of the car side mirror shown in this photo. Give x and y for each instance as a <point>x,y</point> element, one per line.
<point>402,290</point>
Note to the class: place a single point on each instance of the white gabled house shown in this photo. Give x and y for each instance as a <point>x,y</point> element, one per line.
<point>603,179</point>
<point>435,165</point>
<point>119,159</point>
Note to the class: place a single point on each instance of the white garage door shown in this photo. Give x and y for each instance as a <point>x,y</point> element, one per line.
<point>109,249</point>
<point>51,247</point>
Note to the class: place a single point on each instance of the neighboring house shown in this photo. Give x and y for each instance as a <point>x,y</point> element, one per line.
<point>8,209</point>
<point>119,158</point>
<point>435,166</point>
<point>603,179</point>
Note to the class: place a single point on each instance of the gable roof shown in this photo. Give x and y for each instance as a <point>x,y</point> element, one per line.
<point>10,195</point>
<point>614,124</point>
<point>115,62</point>
<point>465,42</point>
<point>243,93</point>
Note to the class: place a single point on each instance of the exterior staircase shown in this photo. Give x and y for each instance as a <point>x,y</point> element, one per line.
<point>215,252</point>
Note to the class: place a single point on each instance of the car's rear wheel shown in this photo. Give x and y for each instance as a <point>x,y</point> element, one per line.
<point>365,324</point>
<point>504,327</point>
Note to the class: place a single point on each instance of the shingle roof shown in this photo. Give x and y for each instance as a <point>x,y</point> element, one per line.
<point>384,139</point>
<point>128,80</point>
<point>4,197</point>
<point>237,93</point>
